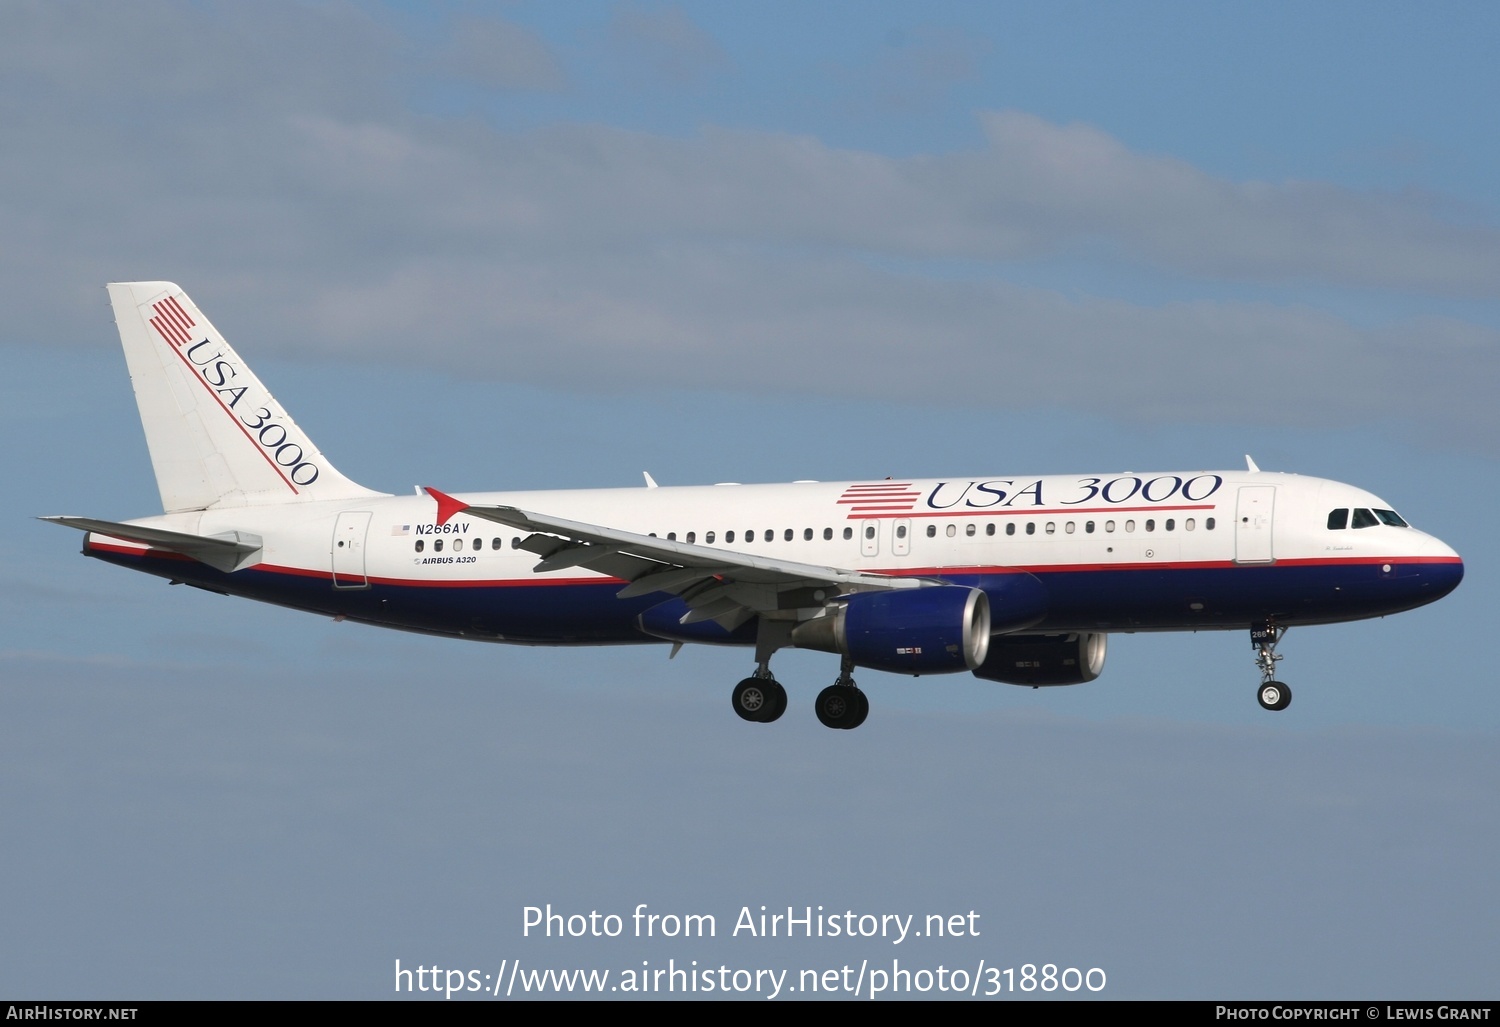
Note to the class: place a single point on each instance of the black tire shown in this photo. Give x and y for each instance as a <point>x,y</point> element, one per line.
<point>776,705</point>
<point>838,707</point>
<point>862,712</point>
<point>1274,696</point>
<point>753,698</point>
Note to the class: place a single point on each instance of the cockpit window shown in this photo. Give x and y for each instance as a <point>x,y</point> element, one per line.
<point>1338,520</point>
<point>1392,518</point>
<point>1364,519</point>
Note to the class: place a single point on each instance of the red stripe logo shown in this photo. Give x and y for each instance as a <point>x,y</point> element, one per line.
<point>171,322</point>
<point>882,496</point>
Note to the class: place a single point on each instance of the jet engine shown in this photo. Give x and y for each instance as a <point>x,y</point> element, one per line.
<point>935,630</point>
<point>1038,660</point>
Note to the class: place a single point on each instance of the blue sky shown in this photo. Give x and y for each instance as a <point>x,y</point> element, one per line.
<point>541,245</point>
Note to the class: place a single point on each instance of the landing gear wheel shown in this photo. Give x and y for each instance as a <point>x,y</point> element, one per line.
<point>752,699</point>
<point>842,707</point>
<point>775,701</point>
<point>1274,695</point>
<point>862,712</point>
<point>759,700</point>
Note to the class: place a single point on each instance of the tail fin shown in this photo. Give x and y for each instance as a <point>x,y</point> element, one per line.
<point>217,436</point>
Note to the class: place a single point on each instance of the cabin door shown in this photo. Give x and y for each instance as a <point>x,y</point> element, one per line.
<point>349,550</point>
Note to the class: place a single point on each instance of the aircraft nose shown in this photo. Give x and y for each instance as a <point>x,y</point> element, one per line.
<point>1445,568</point>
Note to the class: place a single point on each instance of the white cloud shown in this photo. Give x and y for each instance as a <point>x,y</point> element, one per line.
<point>290,192</point>
<point>498,53</point>
<point>662,42</point>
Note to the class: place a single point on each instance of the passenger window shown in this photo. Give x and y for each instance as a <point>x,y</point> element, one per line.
<point>1150,524</point>
<point>1010,529</point>
<point>969,530</point>
<point>788,535</point>
<point>952,530</point>
<point>458,545</point>
<point>437,545</point>
<point>1051,528</point>
<point>848,533</point>
<point>1189,524</point>
<point>497,543</point>
<point>1364,519</point>
<point>708,538</point>
<point>1088,526</point>
<point>932,531</point>
<point>1109,525</point>
<point>692,537</point>
<point>807,534</point>
<point>1068,527</point>
<point>421,545</point>
<point>770,535</point>
<point>1130,525</point>
<point>750,536</point>
<point>728,537</point>
<point>1171,524</point>
<point>900,531</point>
<point>870,531</point>
<point>1338,520</point>
<point>1208,525</point>
<point>515,543</point>
<point>989,529</point>
<point>671,536</point>
<point>827,534</point>
<point>1031,527</point>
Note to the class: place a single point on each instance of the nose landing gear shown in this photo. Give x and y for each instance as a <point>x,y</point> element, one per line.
<point>1273,695</point>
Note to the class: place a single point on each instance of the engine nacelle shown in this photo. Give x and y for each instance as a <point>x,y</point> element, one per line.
<point>936,630</point>
<point>1037,660</point>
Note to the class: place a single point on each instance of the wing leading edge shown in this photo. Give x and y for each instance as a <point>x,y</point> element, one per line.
<point>725,587</point>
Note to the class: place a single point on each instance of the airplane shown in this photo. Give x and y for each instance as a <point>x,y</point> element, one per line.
<point>1015,579</point>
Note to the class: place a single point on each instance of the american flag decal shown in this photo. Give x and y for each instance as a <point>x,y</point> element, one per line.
<point>401,529</point>
<point>883,497</point>
<point>171,321</point>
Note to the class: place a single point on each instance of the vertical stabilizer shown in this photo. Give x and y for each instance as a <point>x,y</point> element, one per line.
<point>217,436</point>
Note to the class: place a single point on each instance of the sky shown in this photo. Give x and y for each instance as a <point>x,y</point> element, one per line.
<point>527,245</point>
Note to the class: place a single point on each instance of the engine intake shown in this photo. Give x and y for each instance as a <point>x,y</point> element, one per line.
<point>936,630</point>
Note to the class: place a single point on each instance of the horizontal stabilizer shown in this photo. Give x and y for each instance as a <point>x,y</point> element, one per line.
<point>229,551</point>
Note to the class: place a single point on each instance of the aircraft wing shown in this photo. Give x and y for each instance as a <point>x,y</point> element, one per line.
<point>717,585</point>
<point>230,551</point>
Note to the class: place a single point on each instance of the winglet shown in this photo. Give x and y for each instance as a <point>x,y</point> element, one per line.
<point>650,481</point>
<point>447,505</point>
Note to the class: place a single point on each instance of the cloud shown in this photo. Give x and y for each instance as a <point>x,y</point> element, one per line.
<point>663,43</point>
<point>273,170</point>
<point>913,71</point>
<point>697,317</point>
<point>501,54</point>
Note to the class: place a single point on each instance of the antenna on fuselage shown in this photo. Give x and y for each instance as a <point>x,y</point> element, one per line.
<point>1250,465</point>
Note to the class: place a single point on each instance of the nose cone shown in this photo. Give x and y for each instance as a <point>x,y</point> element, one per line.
<point>1441,568</point>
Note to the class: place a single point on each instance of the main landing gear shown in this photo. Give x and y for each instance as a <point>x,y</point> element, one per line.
<point>1273,695</point>
<point>842,705</point>
<point>760,699</point>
